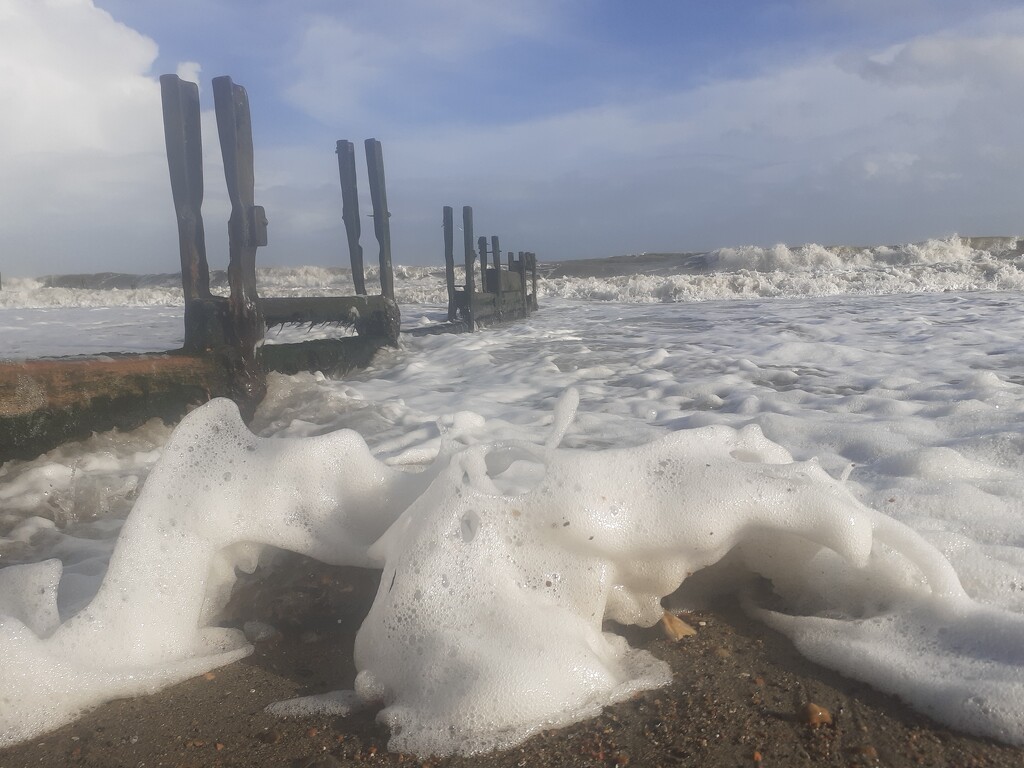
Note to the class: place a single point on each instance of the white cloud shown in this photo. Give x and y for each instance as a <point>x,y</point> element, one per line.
<point>72,78</point>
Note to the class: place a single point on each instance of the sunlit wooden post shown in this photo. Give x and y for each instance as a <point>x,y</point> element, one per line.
<point>381,216</point>
<point>350,212</point>
<point>247,230</point>
<point>448,226</point>
<point>184,141</point>
<point>470,257</point>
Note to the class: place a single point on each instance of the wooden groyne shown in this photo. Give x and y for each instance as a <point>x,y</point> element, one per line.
<point>46,402</point>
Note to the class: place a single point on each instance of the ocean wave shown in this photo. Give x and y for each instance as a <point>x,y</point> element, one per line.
<point>949,264</point>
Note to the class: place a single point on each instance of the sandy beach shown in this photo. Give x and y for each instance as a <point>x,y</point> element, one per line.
<point>739,697</point>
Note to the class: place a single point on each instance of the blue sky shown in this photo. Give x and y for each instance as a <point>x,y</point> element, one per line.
<point>575,128</point>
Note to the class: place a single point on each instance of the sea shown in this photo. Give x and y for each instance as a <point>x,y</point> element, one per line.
<point>885,384</point>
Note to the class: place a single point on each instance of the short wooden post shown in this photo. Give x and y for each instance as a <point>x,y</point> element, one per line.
<point>381,216</point>
<point>184,142</point>
<point>495,252</point>
<point>247,230</point>
<point>350,212</point>
<point>481,245</point>
<point>531,264</point>
<point>448,226</point>
<point>519,266</point>
<point>470,256</point>
<point>496,258</point>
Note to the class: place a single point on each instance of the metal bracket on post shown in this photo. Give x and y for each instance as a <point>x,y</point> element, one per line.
<point>381,215</point>
<point>247,230</point>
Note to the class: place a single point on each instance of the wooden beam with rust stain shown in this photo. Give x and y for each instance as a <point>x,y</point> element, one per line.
<point>44,403</point>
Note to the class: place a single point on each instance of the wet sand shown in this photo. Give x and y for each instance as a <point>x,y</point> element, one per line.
<point>738,698</point>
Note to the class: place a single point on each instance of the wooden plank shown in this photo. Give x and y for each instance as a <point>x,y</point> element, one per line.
<point>44,403</point>
<point>350,212</point>
<point>381,215</point>
<point>319,309</point>
<point>331,356</point>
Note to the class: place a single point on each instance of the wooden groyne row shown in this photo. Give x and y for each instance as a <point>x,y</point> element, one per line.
<point>46,402</point>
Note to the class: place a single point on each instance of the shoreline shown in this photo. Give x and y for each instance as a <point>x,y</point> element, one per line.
<point>737,698</point>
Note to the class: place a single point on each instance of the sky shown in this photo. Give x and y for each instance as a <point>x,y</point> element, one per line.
<point>575,128</point>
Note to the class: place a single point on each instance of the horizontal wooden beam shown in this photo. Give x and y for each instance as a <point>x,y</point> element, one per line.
<point>44,403</point>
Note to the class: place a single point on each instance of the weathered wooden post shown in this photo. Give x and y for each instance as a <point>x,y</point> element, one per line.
<point>519,267</point>
<point>481,244</point>
<point>448,225</point>
<point>467,244</point>
<point>350,212</point>
<point>183,138</point>
<point>531,264</point>
<point>381,216</point>
<point>496,258</point>
<point>247,230</point>
<point>495,252</point>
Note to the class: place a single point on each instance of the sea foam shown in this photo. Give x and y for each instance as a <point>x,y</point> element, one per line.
<point>216,496</point>
<point>501,559</point>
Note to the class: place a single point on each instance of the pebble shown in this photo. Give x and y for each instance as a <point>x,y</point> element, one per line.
<point>815,714</point>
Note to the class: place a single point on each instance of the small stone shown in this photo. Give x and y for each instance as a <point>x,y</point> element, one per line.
<point>312,731</point>
<point>269,736</point>
<point>675,629</point>
<point>723,653</point>
<point>867,751</point>
<point>815,714</point>
<point>218,746</point>
<point>209,676</point>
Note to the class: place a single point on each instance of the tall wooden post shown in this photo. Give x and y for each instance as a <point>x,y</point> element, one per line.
<point>467,244</point>
<point>247,230</point>
<point>448,225</point>
<point>381,216</point>
<point>350,212</point>
<point>184,141</point>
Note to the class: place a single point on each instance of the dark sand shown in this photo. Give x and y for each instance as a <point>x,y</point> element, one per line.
<point>736,700</point>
